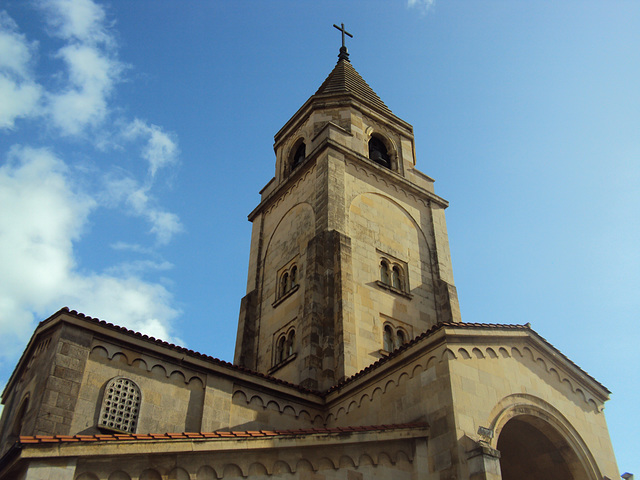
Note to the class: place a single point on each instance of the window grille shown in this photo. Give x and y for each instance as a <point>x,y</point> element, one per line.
<point>120,405</point>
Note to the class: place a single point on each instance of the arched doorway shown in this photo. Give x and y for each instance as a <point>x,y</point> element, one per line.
<point>530,448</point>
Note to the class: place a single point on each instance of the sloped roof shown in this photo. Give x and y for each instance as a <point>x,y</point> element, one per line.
<point>39,439</point>
<point>460,326</point>
<point>337,386</point>
<point>344,79</point>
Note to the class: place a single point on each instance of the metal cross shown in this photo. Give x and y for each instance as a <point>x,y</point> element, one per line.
<point>343,32</point>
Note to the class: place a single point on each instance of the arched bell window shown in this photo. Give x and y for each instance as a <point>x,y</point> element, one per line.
<point>378,152</point>
<point>400,338</point>
<point>299,155</point>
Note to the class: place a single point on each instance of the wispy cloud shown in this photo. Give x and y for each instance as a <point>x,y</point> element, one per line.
<point>121,189</point>
<point>19,93</point>
<point>422,6</point>
<point>160,148</point>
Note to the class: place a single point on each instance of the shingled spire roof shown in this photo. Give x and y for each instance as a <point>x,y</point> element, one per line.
<point>344,79</point>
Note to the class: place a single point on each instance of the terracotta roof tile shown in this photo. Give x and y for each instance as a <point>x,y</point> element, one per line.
<point>178,348</point>
<point>43,439</point>
<point>339,385</point>
<point>456,325</point>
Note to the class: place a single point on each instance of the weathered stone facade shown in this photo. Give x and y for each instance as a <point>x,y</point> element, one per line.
<point>351,358</point>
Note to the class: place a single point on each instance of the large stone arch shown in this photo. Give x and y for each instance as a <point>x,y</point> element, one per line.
<point>536,441</point>
<point>289,238</point>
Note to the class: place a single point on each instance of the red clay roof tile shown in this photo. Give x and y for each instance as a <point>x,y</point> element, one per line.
<point>40,439</point>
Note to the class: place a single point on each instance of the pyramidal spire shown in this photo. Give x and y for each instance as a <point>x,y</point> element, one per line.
<point>345,80</point>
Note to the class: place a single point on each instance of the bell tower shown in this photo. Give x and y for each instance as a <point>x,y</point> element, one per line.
<point>349,251</point>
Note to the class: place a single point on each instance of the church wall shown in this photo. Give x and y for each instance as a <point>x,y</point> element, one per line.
<point>30,387</point>
<point>385,224</point>
<point>256,459</point>
<point>415,391</point>
<point>252,409</point>
<point>172,396</point>
<point>491,383</point>
<point>287,231</point>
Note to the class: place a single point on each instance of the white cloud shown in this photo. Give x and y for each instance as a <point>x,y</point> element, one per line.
<point>80,20</point>
<point>42,214</point>
<point>160,149</point>
<point>423,5</point>
<point>19,93</point>
<point>92,67</point>
<point>126,190</point>
<point>92,76</point>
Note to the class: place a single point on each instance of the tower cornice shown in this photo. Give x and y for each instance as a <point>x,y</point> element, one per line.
<point>396,178</point>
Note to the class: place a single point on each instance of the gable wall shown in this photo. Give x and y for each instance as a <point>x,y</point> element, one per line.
<point>492,382</point>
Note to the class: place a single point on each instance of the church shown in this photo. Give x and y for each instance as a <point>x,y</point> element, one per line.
<point>352,361</point>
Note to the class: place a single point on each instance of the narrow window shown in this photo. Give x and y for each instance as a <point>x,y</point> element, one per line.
<point>294,274</point>
<point>388,338</point>
<point>378,152</point>
<point>280,350</point>
<point>120,405</point>
<point>289,344</point>
<point>299,156</point>
<point>396,277</point>
<point>284,284</point>
<point>400,337</point>
<point>384,272</point>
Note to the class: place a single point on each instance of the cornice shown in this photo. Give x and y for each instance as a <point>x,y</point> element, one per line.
<point>328,101</point>
<point>354,156</point>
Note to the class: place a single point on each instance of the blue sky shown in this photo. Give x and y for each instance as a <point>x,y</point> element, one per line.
<point>135,136</point>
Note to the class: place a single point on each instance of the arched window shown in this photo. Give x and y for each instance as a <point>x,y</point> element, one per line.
<point>384,272</point>
<point>388,338</point>
<point>284,283</point>
<point>289,344</point>
<point>298,156</point>
<point>396,277</point>
<point>378,152</point>
<point>294,274</point>
<point>120,405</point>
<point>400,338</point>
<point>288,281</point>
<point>280,350</point>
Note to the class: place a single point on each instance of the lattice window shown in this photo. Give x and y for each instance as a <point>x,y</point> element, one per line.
<point>120,405</point>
